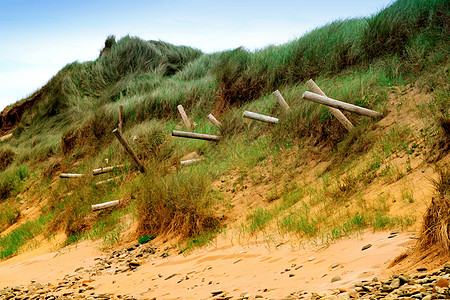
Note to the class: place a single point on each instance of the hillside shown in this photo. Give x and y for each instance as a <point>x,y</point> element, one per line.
<point>306,179</point>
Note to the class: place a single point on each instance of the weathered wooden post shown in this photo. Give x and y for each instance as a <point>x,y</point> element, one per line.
<point>105,205</point>
<point>313,87</point>
<point>192,135</point>
<point>339,104</point>
<point>5,137</point>
<point>259,117</point>
<point>128,149</point>
<point>184,117</point>
<point>108,180</point>
<point>120,126</point>
<point>213,120</point>
<point>106,169</point>
<point>281,100</point>
<point>190,161</point>
<point>69,175</point>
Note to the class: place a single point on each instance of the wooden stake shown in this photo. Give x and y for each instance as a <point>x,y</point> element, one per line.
<point>213,120</point>
<point>190,161</point>
<point>105,205</point>
<point>193,135</point>
<point>128,149</point>
<point>339,104</point>
<point>69,175</point>
<point>281,100</point>
<point>313,87</point>
<point>259,117</point>
<point>107,180</point>
<point>184,117</point>
<point>106,169</point>
<point>5,137</point>
<point>120,126</point>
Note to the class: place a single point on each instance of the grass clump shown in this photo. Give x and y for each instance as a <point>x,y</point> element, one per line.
<point>6,158</point>
<point>11,243</point>
<point>435,232</point>
<point>9,215</point>
<point>178,204</point>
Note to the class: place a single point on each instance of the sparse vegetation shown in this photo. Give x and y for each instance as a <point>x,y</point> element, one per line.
<point>435,232</point>
<point>66,126</point>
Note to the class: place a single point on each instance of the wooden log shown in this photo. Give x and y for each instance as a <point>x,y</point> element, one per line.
<point>120,126</point>
<point>192,135</point>
<point>313,87</point>
<point>281,100</point>
<point>5,137</point>
<point>108,180</point>
<point>106,169</point>
<point>213,120</point>
<point>105,205</point>
<point>184,117</point>
<point>339,104</point>
<point>129,150</point>
<point>69,175</point>
<point>259,117</point>
<point>190,161</point>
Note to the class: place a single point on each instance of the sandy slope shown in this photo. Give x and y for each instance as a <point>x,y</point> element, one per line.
<point>236,268</point>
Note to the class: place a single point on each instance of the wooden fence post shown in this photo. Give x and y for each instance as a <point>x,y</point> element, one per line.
<point>281,100</point>
<point>105,205</point>
<point>120,126</point>
<point>69,175</point>
<point>128,149</point>
<point>192,135</point>
<point>339,104</point>
<point>184,117</point>
<point>213,120</point>
<point>313,87</point>
<point>259,117</point>
<point>190,161</point>
<point>106,169</point>
<point>108,180</point>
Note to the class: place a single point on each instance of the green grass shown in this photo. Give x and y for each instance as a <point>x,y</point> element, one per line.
<point>11,243</point>
<point>356,60</point>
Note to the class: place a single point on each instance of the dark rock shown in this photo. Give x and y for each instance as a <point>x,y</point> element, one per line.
<point>421,269</point>
<point>366,247</point>
<point>441,282</point>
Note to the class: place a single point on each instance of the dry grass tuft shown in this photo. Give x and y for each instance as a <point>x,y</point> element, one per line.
<point>435,233</point>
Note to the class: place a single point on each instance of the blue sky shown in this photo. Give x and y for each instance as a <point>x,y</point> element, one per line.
<point>38,38</point>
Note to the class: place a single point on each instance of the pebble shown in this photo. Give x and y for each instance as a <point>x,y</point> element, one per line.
<point>81,284</point>
<point>336,278</point>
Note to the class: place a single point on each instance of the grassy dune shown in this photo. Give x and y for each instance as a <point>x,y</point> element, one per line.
<point>358,61</point>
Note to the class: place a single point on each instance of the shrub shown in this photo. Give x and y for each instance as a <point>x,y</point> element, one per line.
<point>179,204</point>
